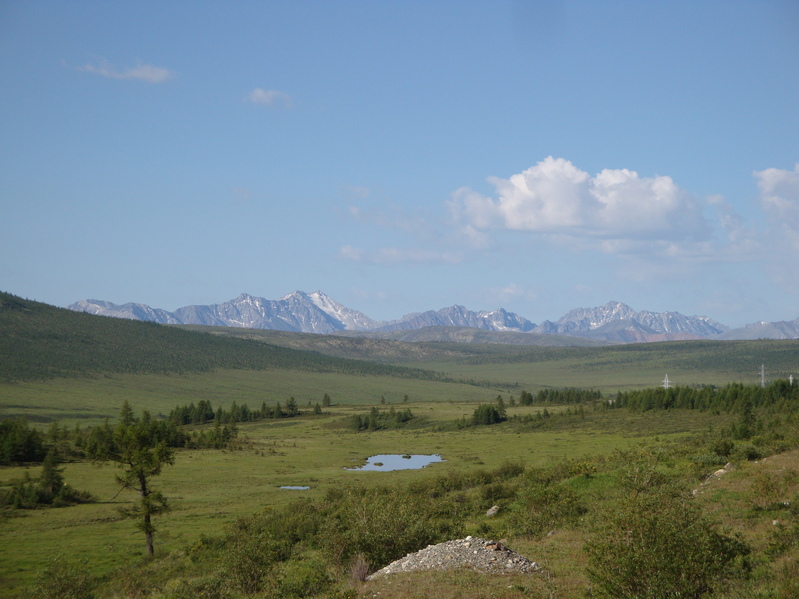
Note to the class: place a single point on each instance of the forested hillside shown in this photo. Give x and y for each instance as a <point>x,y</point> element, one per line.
<point>38,341</point>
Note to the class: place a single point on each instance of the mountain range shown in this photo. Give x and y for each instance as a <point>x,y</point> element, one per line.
<point>317,312</point>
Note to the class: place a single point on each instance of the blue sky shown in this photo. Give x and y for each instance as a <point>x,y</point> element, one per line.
<point>404,156</point>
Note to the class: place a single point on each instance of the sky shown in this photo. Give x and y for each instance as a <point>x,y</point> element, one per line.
<point>404,156</point>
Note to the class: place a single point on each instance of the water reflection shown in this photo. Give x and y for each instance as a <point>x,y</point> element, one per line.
<point>386,462</point>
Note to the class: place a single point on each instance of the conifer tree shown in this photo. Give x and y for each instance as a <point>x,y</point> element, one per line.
<point>134,447</point>
<point>51,480</point>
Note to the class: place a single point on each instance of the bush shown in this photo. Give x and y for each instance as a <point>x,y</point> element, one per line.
<point>62,580</point>
<point>747,451</point>
<point>384,524</point>
<point>249,558</point>
<point>658,544</point>
<point>542,507</point>
<point>766,489</point>
<point>206,587</point>
<point>301,578</point>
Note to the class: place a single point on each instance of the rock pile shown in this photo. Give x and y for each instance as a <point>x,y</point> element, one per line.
<point>472,552</point>
<point>714,476</point>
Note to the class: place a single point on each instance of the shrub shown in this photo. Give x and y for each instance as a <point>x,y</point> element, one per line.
<point>542,507</point>
<point>359,568</point>
<point>658,544</point>
<point>747,451</point>
<point>766,489</point>
<point>249,558</point>
<point>62,580</point>
<point>509,469</point>
<point>494,493</point>
<point>301,578</point>
<point>206,587</point>
<point>384,524</point>
<point>783,538</point>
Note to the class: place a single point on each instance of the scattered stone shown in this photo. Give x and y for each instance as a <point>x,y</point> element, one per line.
<point>710,477</point>
<point>472,552</point>
<point>492,510</point>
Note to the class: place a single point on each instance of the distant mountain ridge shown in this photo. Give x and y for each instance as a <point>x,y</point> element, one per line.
<point>616,321</point>
<point>458,316</point>
<point>783,329</point>
<point>297,312</point>
<point>318,313</point>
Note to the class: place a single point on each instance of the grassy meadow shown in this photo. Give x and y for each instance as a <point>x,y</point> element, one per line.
<point>209,489</point>
<point>564,472</point>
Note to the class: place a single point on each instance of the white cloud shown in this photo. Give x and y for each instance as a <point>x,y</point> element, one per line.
<point>348,252</point>
<point>514,293</point>
<point>556,197</point>
<point>142,72</point>
<point>779,196</point>
<point>393,217</point>
<point>650,224</point>
<point>389,255</point>
<point>269,97</point>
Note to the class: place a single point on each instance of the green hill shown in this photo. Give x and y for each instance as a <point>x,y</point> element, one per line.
<point>39,341</point>
<point>606,367</point>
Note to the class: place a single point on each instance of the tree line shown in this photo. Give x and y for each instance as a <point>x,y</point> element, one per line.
<point>730,398</point>
<point>571,395</point>
<point>378,419</point>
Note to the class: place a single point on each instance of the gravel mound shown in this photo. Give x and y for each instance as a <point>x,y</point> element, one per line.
<point>472,552</point>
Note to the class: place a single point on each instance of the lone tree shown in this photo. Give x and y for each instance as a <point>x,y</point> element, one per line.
<point>137,450</point>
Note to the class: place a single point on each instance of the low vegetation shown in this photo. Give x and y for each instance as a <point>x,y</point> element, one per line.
<point>629,522</point>
<point>691,491</point>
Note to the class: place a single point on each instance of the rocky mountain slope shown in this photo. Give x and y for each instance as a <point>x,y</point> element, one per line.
<point>784,329</point>
<point>616,321</point>
<point>458,316</point>
<point>297,312</point>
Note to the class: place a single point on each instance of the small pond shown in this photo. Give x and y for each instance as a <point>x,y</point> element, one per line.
<point>386,462</point>
<point>295,488</point>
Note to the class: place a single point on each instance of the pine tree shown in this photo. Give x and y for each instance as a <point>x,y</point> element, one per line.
<point>136,450</point>
<point>51,480</point>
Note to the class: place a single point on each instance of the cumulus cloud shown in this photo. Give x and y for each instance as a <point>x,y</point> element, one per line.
<point>269,97</point>
<point>779,196</point>
<point>650,224</point>
<point>141,72</point>
<point>556,197</point>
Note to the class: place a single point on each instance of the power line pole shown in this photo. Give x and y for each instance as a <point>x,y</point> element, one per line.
<point>666,382</point>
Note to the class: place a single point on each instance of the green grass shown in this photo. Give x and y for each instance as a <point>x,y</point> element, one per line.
<point>75,375</point>
<point>626,367</point>
<point>89,400</point>
<point>209,489</point>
